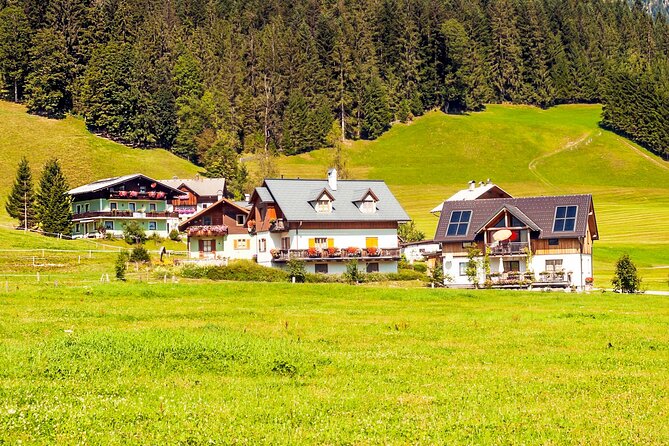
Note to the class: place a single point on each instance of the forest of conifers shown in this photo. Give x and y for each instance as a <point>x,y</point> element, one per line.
<point>209,79</point>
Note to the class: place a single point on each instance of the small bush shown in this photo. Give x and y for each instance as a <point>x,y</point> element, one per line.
<point>296,269</point>
<point>420,267</point>
<point>121,265</point>
<point>140,254</point>
<point>324,278</point>
<point>406,275</point>
<point>353,274</point>
<point>133,233</point>
<point>175,236</point>
<point>626,278</point>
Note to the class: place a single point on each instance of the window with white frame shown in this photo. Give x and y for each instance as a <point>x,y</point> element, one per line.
<point>109,225</point>
<point>321,268</point>
<point>113,206</point>
<point>152,207</point>
<point>321,242</point>
<point>463,268</point>
<point>285,243</point>
<point>553,265</point>
<point>152,226</point>
<point>240,219</point>
<point>262,245</point>
<point>324,205</point>
<point>206,220</point>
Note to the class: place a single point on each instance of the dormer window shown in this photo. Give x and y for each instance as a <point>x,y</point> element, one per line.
<point>367,203</point>
<point>324,205</point>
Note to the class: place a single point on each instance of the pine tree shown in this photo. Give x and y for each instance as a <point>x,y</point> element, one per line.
<point>505,51</point>
<point>296,134</point>
<point>21,200</point>
<point>53,203</point>
<point>377,115</point>
<point>14,45</point>
<point>48,86</point>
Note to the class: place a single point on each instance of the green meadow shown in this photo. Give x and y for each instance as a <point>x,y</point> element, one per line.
<point>527,151</point>
<point>244,363</point>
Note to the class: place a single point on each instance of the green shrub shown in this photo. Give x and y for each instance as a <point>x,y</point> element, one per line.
<point>420,267</point>
<point>353,274</point>
<point>133,233</point>
<point>324,278</point>
<point>296,269</point>
<point>241,270</point>
<point>175,236</point>
<point>626,278</point>
<point>121,265</point>
<point>140,254</point>
<point>406,274</point>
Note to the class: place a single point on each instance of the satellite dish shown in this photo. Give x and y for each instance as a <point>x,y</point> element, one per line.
<point>501,235</point>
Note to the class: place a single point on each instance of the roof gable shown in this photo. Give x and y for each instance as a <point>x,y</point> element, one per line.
<point>209,209</point>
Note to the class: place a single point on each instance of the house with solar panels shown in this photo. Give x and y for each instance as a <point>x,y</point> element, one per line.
<point>542,241</point>
<point>106,206</point>
<point>326,223</point>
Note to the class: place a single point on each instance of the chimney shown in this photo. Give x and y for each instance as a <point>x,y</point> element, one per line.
<point>247,197</point>
<point>489,182</point>
<point>332,178</point>
<point>220,195</point>
<point>472,185</point>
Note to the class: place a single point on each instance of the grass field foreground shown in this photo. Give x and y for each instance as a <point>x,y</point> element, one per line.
<point>292,364</point>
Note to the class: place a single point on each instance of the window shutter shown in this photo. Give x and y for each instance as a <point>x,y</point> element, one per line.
<point>213,245</point>
<point>330,243</point>
<point>201,245</point>
<point>372,242</point>
<point>312,243</point>
<point>236,244</point>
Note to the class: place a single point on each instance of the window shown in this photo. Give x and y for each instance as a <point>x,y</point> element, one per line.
<point>323,206</point>
<point>109,225</point>
<point>372,267</point>
<point>553,242</point>
<point>515,223</point>
<point>321,243</point>
<point>206,220</point>
<point>368,206</point>
<point>285,243</point>
<point>467,245</point>
<point>77,228</point>
<point>208,245</point>
<point>241,243</point>
<point>121,188</point>
<point>262,245</point>
<point>240,219</point>
<point>459,223</point>
<point>463,268</point>
<point>152,207</point>
<point>132,207</point>
<point>88,207</point>
<point>553,265</point>
<point>142,189</point>
<point>512,265</point>
<point>565,218</point>
<point>152,226</point>
<point>321,268</point>
<point>78,209</point>
<point>113,206</point>
<point>500,224</point>
<point>204,205</point>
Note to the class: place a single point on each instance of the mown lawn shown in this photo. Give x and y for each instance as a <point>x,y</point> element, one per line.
<point>334,364</point>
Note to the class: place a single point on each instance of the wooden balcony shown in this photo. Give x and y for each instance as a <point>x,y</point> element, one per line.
<point>310,255</point>
<point>278,225</point>
<point>509,249</point>
<point>514,279</point>
<point>124,214</point>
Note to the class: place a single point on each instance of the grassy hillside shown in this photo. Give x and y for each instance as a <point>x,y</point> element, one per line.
<point>527,151</point>
<point>330,364</point>
<point>84,156</point>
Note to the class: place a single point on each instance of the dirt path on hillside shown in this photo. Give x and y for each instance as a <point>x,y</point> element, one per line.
<point>659,163</point>
<point>570,145</point>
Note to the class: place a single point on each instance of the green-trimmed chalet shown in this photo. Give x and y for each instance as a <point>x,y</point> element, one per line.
<point>107,206</point>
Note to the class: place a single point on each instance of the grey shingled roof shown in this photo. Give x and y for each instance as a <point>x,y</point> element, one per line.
<point>264,195</point>
<point>540,211</point>
<point>203,187</point>
<point>109,182</point>
<point>295,199</point>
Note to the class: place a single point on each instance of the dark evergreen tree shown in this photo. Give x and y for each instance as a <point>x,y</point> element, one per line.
<point>20,203</point>
<point>377,114</point>
<point>48,86</point>
<point>14,46</point>
<point>53,203</point>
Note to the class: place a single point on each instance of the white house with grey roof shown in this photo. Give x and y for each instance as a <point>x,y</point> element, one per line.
<point>326,223</point>
<point>544,241</point>
<point>197,194</point>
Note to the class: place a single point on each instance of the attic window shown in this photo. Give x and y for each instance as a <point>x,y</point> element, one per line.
<point>368,205</point>
<point>565,218</point>
<point>459,223</point>
<point>323,205</point>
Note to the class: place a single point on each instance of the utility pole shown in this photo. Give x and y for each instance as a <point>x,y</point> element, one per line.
<point>25,208</point>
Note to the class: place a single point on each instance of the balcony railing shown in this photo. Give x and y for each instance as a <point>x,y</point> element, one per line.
<point>283,255</point>
<point>278,225</point>
<point>510,248</point>
<point>515,279</point>
<point>124,214</point>
<point>137,195</point>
